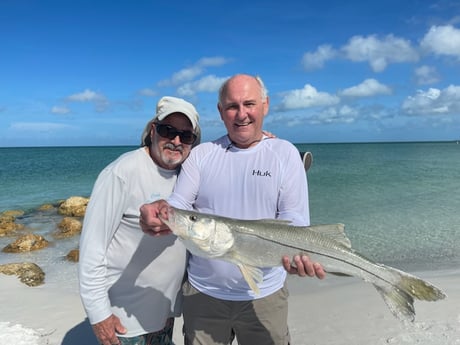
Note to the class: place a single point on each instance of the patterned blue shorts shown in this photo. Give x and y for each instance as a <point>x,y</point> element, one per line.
<point>161,337</point>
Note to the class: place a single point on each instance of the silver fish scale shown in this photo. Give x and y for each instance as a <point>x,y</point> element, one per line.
<point>262,243</point>
<point>291,240</point>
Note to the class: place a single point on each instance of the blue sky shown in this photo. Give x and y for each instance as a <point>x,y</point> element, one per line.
<point>91,72</point>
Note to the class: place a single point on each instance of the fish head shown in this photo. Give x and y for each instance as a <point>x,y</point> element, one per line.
<point>202,234</point>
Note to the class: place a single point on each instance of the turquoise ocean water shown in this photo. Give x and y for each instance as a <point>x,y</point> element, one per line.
<point>400,202</point>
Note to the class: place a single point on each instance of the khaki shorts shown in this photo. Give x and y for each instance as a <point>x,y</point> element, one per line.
<point>211,321</point>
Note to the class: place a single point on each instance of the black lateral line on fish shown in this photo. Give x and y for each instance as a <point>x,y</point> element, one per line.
<point>362,257</point>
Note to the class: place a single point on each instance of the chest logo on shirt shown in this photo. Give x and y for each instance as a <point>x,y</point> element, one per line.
<point>153,197</point>
<point>265,173</point>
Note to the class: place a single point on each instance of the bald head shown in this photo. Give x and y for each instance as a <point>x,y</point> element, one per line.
<point>243,104</point>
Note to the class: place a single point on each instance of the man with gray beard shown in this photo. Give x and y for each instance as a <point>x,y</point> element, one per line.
<point>130,282</point>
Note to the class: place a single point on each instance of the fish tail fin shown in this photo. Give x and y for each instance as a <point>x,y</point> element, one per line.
<point>419,288</point>
<point>401,304</point>
<point>400,296</point>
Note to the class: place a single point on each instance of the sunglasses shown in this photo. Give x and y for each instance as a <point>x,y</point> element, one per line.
<point>170,132</point>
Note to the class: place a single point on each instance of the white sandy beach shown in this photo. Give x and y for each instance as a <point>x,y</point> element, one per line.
<point>336,311</point>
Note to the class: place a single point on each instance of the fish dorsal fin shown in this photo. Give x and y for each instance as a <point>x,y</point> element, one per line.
<point>252,275</point>
<point>334,231</point>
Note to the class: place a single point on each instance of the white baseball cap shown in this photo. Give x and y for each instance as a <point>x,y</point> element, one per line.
<point>168,105</point>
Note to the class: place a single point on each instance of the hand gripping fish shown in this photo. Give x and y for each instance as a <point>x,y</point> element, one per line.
<point>251,244</point>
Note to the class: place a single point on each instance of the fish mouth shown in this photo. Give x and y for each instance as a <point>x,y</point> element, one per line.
<point>166,213</point>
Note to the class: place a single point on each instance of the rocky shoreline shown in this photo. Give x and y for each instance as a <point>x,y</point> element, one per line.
<point>69,214</point>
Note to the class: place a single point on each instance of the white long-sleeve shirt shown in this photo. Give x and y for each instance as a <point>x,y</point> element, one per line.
<point>261,182</point>
<point>137,277</point>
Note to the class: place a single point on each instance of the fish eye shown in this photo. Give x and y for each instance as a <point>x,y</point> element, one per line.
<point>193,218</point>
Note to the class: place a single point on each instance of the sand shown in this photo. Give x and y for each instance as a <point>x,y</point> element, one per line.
<point>335,311</point>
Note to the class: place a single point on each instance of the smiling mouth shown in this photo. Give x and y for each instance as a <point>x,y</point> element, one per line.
<point>175,151</point>
<point>242,124</point>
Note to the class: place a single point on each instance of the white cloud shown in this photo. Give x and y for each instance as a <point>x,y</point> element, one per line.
<point>327,116</point>
<point>442,40</point>
<point>305,98</point>
<point>316,60</point>
<point>379,52</point>
<point>148,92</point>
<point>368,88</point>
<point>210,83</point>
<point>185,75</point>
<point>60,110</point>
<point>39,126</point>
<point>189,73</point>
<point>434,102</point>
<point>426,75</point>
<point>212,61</point>
<point>343,114</point>
<point>88,96</point>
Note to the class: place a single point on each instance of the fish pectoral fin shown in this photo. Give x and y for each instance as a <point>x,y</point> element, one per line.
<point>252,275</point>
<point>334,231</point>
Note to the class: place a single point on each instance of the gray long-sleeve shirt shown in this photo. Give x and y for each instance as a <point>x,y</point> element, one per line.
<point>122,271</point>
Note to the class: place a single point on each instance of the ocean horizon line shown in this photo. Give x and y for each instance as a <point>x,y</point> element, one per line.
<point>453,141</point>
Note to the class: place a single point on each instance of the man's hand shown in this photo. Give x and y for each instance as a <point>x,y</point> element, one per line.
<point>268,134</point>
<point>303,266</point>
<point>106,331</point>
<point>149,220</point>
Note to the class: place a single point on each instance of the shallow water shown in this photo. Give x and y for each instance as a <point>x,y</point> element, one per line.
<point>399,202</point>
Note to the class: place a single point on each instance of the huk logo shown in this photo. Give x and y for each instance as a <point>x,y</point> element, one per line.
<point>260,173</point>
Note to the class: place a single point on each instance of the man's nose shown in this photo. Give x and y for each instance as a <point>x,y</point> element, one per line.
<point>176,141</point>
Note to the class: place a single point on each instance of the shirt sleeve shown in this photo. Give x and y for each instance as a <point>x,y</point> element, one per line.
<point>102,217</point>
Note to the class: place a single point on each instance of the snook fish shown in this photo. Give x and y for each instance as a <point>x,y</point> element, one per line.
<point>250,244</point>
